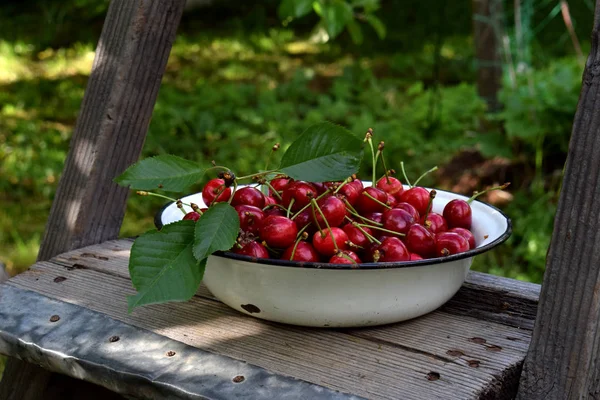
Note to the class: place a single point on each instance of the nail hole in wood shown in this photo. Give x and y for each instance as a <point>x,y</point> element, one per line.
<point>54,318</point>
<point>433,376</point>
<point>238,379</point>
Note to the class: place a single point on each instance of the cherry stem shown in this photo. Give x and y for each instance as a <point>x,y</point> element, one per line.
<point>315,205</point>
<point>386,174</point>
<point>373,159</point>
<point>257,174</point>
<point>273,150</point>
<point>308,205</point>
<point>275,192</point>
<point>270,248</point>
<point>273,206</point>
<point>219,194</point>
<point>383,229</point>
<point>487,190</point>
<point>432,195</point>
<point>376,201</point>
<point>217,167</point>
<point>177,201</point>
<point>346,256</point>
<point>235,185</point>
<point>425,173</point>
<point>404,174</point>
<point>298,240</point>
<point>352,211</point>
<point>289,209</point>
<point>346,181</point>
<point>367,234</point>
<point>301,231</point>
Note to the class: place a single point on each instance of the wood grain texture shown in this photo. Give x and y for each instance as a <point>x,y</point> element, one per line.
<point>130,60</point>
<point>474,358</point>
<point>562,362</point>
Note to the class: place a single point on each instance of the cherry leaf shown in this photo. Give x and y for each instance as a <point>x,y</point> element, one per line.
<point>217,229</point>
<point>324,152</point>
<point>162,265</point>
<point>166,172</point>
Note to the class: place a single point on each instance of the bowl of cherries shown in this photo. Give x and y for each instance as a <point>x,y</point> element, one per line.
<point>307,242</point>
<point>345,253</point>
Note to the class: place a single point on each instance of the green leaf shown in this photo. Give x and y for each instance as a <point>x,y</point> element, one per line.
<point>167,172</point>
<point>217,229</point>
<point>324,152</point>
<point>162,265</point>
<point>336,14</point>
<point>294,8</point>
<point>355,32</point>
<point>377,25</point>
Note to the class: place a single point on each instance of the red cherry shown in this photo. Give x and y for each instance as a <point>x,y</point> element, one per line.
<point>252,249</point>
<point>275,211</point>
<point>356,236</point>
<point>305,218</point>
<point>212,189</point>
<point>304,252</point>
<point>278,231</point>
<point>435,223</point>
<point>420,240</point>
<point>365,204</point>
<point>320,186</point>
<point>447,243</point>
<point>357,183</point>
<point>333,209</point>
<point>391,201</point>
<point>269,200</point>
<point>349,192</point>
<point>279,184</point>
<point>467,234</point>
<point>410,209</point>
<point>340,259</point>
<point>375,217</point>
<point>300,192</point>
<point>251,218</point>
<point>323,242</point>
<point>192,215</point>
<point>392,249</point>
<point>250,196</point>
<point>397,220</point>
<point>390,185</point>
<point>418,197</point>
<point>415,257</point>
<point>458,214</point>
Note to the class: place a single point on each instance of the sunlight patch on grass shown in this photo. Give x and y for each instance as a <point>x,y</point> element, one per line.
<point>18,63</point>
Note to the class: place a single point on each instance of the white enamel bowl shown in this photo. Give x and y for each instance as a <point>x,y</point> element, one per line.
<point>330,295</point>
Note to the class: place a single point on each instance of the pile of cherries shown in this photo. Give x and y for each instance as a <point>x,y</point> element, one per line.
<point>342,222</point>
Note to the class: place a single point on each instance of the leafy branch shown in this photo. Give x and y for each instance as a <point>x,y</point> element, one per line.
<point>168,265</point>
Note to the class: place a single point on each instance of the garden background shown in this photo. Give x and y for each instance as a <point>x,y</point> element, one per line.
<point>244,75</point>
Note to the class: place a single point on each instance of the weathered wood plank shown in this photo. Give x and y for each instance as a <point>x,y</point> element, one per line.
<point>473,357</point>
<point>562,362</point>
<point>130,60</point>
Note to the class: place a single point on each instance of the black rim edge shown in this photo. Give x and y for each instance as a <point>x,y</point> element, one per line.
<point>382,265</point>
